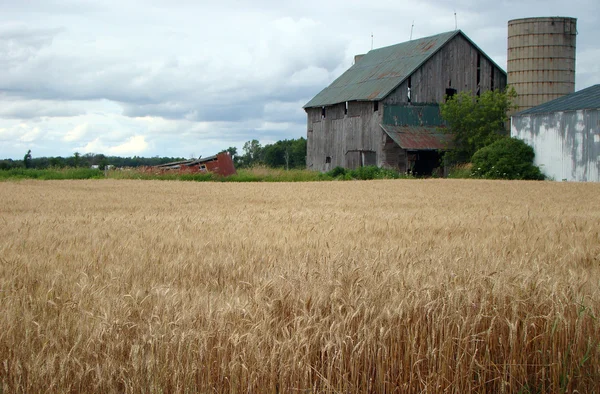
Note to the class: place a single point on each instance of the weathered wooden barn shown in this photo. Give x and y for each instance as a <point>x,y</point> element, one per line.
<point>565,135</point>
<point>384,110</point>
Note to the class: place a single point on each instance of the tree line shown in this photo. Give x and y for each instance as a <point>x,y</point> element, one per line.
<point>85,160</point>
<point>281,154</point>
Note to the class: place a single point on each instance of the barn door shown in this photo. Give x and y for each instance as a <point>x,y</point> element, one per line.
<point>368,158</point>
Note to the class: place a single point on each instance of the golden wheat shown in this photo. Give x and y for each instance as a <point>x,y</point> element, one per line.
<point>383,286</point>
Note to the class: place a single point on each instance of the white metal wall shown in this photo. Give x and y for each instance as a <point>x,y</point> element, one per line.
<point>566,144</point>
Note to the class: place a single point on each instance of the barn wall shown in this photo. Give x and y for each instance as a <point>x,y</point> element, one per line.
<point>341,137</point>
<point>392,156</point>
<point>566,144</point>
<point>454,66</point>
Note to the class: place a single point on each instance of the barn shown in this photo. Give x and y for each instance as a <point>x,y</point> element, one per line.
<point>565,135</point>
<point>384,110</point>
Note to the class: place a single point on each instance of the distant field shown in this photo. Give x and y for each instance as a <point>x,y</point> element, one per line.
<point>404,286</point>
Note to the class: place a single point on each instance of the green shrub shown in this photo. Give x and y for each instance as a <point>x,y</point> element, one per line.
<point>460,171</point>
<point>337,171</point>
<point>507,158</point>
<point>362,173</point>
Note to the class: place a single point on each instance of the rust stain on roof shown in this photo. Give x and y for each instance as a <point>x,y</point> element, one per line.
<point>418,137</point>
<point>380,71</point>
<point>426,46</point>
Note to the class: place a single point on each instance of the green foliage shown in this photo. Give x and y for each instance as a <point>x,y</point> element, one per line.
<point>460,171</point>
<point>252,154</point>
<point>285,154</point>
<point>364,173</point>
<point>86,161</point>
<point>254,174</point>
<point>288,154</point>
<point>337,171</point>
<point>475,122</point>
<point>282,154</point>
<point>507,158</point>
<point>50,174</point>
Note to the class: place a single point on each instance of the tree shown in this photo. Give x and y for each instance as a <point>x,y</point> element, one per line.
<point>475,122</point>
<point>27,159</point>
<point>252,153</point>
<point>507,158</point>
<point>286,153</point>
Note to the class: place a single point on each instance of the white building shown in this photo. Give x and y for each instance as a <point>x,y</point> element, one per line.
<point>565,134</point>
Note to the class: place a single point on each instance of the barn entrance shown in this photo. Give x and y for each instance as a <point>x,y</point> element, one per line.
<point>417,150</point>
<point>423,162</point>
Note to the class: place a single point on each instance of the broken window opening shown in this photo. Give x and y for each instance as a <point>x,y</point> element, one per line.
<point>328,160</point>
<point>450,93</point>
<point>409,88</point>
<point>346,109</point>
<point>323,112</point>
<point>375,106</point>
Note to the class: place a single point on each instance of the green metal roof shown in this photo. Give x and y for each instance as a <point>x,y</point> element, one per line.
<point>381,70</point>
<point>588,98</point>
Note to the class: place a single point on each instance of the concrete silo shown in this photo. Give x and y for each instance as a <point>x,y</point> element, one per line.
<point>541,59</point>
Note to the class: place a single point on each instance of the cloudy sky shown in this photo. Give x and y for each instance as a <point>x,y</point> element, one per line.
<point>189,77</point>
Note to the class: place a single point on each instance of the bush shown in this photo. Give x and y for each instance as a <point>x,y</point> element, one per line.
<point>363,173</point>
<point>460,171</point>
<point>508,158</point>
<point>337,171</point>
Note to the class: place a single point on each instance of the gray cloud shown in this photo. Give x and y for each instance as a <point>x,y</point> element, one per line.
<point>222,73</point>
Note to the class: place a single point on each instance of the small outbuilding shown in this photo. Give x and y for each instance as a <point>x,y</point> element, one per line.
<point>565,135</point>
<point>384,110</point>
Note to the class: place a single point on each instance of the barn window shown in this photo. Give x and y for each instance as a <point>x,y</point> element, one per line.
<point>450,93</point>
<point>409,88</point>
<point>323,112</point>
<point>328,160</point>
<point>375,106</point>
<point>346,109</point>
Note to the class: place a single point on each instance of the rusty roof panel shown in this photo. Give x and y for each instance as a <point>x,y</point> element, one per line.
<point>418,137</point>
<point>380,71</point>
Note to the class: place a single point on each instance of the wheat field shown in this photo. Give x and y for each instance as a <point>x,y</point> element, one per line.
<point>402,286</point>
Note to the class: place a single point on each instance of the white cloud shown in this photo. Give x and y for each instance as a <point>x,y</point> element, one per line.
<point>76,133</point>
<point>163,77</point>
<point>134,145</point>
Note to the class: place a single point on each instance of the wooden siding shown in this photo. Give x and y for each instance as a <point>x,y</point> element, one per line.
<point>392,156</point>
<point>454,66</point>
<point>342,137</point>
